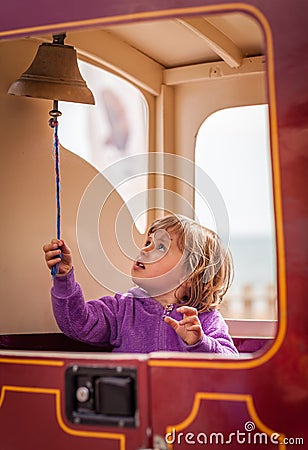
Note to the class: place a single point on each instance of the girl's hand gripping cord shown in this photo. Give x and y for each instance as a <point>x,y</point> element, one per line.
<point>189,328</point>
<point>57,253</point>
<point>55,269</point>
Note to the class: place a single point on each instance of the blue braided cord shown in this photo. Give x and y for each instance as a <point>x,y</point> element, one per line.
<point>56,153</point>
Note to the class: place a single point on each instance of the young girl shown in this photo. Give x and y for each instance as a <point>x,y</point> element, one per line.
<point>182,274</point>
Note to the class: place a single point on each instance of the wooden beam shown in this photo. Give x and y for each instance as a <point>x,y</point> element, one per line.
<point>209,71</point>
<point>216,40</point>
<point>106,50</point>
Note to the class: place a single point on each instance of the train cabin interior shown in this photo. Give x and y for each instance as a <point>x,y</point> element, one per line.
<point>161,87</point>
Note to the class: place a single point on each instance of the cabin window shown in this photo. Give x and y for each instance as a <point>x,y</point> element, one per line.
<point>111,130</point>
<point>233,148</point>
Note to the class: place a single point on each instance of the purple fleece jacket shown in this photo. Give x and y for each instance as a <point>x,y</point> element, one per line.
<point>131,322</point>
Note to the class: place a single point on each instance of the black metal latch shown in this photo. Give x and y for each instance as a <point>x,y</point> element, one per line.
<point>102,395</point>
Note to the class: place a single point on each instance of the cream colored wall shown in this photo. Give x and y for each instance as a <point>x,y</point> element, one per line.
<point>28,210</point>
<point>181,110</point>
<point>194,102</point>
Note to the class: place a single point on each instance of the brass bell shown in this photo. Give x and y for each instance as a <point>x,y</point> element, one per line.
<point>54,74</point>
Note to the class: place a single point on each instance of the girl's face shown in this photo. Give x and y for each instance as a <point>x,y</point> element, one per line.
<point>158,268</point>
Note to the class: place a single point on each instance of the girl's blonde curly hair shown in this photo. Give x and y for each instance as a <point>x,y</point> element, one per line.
<point>208,266</point>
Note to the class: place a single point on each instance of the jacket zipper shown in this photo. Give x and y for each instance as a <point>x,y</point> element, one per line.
<point>167,310</point>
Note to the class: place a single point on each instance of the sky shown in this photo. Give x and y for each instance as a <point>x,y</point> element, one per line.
<point>233,149</point>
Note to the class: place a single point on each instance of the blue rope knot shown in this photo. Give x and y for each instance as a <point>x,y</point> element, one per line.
<point>52,122</point>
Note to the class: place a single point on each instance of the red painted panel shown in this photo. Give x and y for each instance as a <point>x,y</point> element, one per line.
<point>15,15</point>
<point>32,408</point>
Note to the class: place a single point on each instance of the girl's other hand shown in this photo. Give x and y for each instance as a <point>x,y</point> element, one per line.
<point>52,256</point>
<point>189,328</point>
